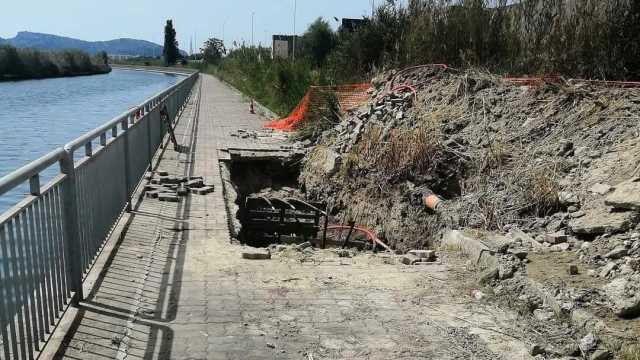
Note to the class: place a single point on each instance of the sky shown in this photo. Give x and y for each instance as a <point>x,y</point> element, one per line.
<point>200,19</point>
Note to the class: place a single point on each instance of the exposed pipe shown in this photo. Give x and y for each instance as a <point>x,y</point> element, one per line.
<point>374,239</point>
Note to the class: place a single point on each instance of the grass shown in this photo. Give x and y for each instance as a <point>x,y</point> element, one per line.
<point>632,352</point>
<point>541,191</point>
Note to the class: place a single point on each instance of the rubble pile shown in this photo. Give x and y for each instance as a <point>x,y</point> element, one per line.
<point>550,170</point>
<point>170,188</point>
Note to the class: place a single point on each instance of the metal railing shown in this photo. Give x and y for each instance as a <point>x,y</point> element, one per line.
<point>49,241</point>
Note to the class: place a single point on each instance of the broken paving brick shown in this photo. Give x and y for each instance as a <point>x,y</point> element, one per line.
<point>203,190</point>
<point>168,197</point>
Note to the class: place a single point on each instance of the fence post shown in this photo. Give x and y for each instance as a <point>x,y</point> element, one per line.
<point>71,228</point>
<point>150,147</point>
<point>127,164</point>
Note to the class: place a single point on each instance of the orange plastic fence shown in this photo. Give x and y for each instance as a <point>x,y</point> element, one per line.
<point>349,97</point>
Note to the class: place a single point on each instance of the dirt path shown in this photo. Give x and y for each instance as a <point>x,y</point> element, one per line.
<point>175,288</point>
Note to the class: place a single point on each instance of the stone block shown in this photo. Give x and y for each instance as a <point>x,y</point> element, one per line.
<point>168,197</point>
<point>256,254</point>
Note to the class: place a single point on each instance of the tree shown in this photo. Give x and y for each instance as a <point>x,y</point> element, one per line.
<point>103,57</point>
<point>170,51</point>
<point>213,50</point>
<point>318,41</point>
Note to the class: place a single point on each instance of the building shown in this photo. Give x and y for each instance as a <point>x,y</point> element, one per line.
<point>282,46</point>
<point>351,25</point>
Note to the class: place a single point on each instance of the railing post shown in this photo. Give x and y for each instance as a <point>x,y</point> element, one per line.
<point>150,147</point>
<point>127,162</point>
<point>71,228</point>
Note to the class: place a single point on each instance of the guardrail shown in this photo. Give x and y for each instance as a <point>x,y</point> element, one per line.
<point>49,241</point>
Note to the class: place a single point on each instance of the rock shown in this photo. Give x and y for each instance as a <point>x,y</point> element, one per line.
<point>588,343</point>
<point>617,253</point>
<point>601,355</point>
<point>488,275</point>
<point>537,349</point>
<point>256,254</point>
<point>410,259</point>
<point>426,255</point>
<point>162,173</point>
<point>599,221</point>
<point>601,189</point>
<point>572,209</point>
<point>560,247</point>
<point>607,269</point>
<point>573,270</point>
<point>543,315</point>
<point>626,195</point>
<point>556,238</point>
<point>567,198</point>
<point>578,214</point>
<point>331,163</point>
<point>570,350</point>
<point>624,293</point>
<point>505,271</point>
<point>520,253</point>
<point>303,246</point>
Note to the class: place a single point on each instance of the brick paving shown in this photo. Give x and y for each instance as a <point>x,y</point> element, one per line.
<point>174,287</point>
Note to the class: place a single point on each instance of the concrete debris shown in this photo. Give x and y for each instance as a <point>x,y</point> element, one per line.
<point>588,343</point>
<point>167,187</point>
<point>556,238</point>
<point>168,197</point>
<point>203,190</point>
<point>256,254</point>
<point>601,220</point>
<point>617,253</point>
<point>425,255</point>
<point>303,246</point>
<point>601,189</point>
<point>626,195</point>
<point>624,294</point>
<point>601,354</point>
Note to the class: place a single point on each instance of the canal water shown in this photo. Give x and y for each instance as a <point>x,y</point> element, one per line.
<point>37,116</point>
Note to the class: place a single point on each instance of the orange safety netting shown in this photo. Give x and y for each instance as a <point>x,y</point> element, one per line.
<point>349,97</point>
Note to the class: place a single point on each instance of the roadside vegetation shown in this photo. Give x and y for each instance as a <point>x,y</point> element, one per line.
<point>20,64</point>
<point>582,39</point>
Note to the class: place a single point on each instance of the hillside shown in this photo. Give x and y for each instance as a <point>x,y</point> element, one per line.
<point>124,46</point>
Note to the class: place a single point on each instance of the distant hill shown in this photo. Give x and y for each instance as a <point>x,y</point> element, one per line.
<point>133,47</point>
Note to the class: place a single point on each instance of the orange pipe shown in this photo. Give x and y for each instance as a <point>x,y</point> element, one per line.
<point>432,201</point>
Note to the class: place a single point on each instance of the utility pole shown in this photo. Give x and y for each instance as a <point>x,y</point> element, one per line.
<point>253,44</point>
<point>223,25</point>
<point>295,9</point>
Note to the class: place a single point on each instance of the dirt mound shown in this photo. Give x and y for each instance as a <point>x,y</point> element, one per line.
<point>498,153</point>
